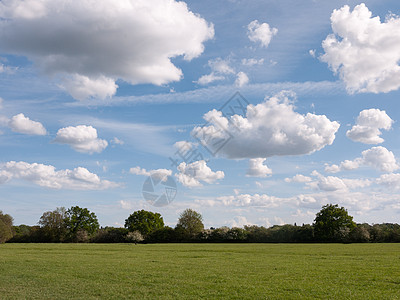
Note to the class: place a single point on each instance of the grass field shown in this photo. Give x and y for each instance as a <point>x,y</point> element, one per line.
<point>193,271</point>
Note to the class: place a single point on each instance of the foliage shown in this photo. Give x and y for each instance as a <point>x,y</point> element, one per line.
<point>257,234</point>
<point>190,223</point>
<point>333,223</point>
<point>80,225</point>
<point>79,220</point>
<point>53,225</point>
<point>134,236</point>
<point>6,223</point>
<point>144,221</point>
<point>110,235</point>
<point>361,233</point>
<point>164,235</point>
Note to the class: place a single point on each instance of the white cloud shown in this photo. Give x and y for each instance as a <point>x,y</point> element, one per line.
<point>250,200</point>
<point>239,221</point>
<point>380,158</point>
<point>391,180</point>
<point>333,183</point>
<point>312,52</point>
<point>344,165</point>
<point>7,69</point>
<point>366,130</point>
<point>161,173</point>
<point>219,69</point>
<point>192,174</point>
<point>356,183</point>
<point>278,221</point>
<point>135,40</point>
<point>47,176</point>
<point>127,205</point>
<point>81,138</point>
<point>207,79</point>
<point>185,145</point>
<point>330,183</point>
<point>257,168</point>
<point>241,79</point>
<point>377,157</point>
<point>299,178</point>
<point>82,87</point>
<point>1,103</point>
<point>20,123</point>
<point>262,33</point>
<point>117,141</point>
<point>220,66</point>
<point>252,61</point>
<point>268,129</point>
<point>363,50</point>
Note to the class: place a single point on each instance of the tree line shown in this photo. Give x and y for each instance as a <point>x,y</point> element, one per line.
<point>332,224</point>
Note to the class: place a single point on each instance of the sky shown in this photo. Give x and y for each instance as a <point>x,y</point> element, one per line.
<point>249,112</point>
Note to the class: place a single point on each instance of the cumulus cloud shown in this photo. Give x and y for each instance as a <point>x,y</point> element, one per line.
<point>366,130</point>
<point>299,178</point>
<point>257,168</point>
<point>81,138</point>
<point>262,33</point>
<point>344,165</point>
<point>135,40</point>
<point>379,158</point>
<point>193,174</point>
<point>241,79</point>
<point>330,183</point>
<point>268,129</point>
<point>82,87</point>
<point>219,69</point>
<point>239,221</point>
<point>47,176</point>
<point>391,180</point>
<point>221,66</point>
<point>20,123</point>
<point>363,50</point>
<point>161,173</point>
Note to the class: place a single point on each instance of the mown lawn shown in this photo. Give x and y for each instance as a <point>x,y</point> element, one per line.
<point>194,271</point>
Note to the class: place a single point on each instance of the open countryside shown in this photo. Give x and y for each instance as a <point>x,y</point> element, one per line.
<point>186,149</point>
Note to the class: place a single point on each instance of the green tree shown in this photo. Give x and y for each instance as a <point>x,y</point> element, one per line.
<point>53,224</point>
<point>332,223</point>
<point>144,221</point>
<point>6,225</point>
<point>79,221</point>
<point>190,223</point>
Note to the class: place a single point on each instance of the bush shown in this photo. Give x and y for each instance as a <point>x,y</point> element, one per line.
<point>110,235</point>
<point>134,237</point>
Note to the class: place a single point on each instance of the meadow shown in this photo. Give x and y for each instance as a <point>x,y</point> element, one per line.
<point>194,271</point>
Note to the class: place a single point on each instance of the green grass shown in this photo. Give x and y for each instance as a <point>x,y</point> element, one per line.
<point>194,271</point>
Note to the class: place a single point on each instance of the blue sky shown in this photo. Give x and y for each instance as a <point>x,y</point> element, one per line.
<point>97,96</point>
